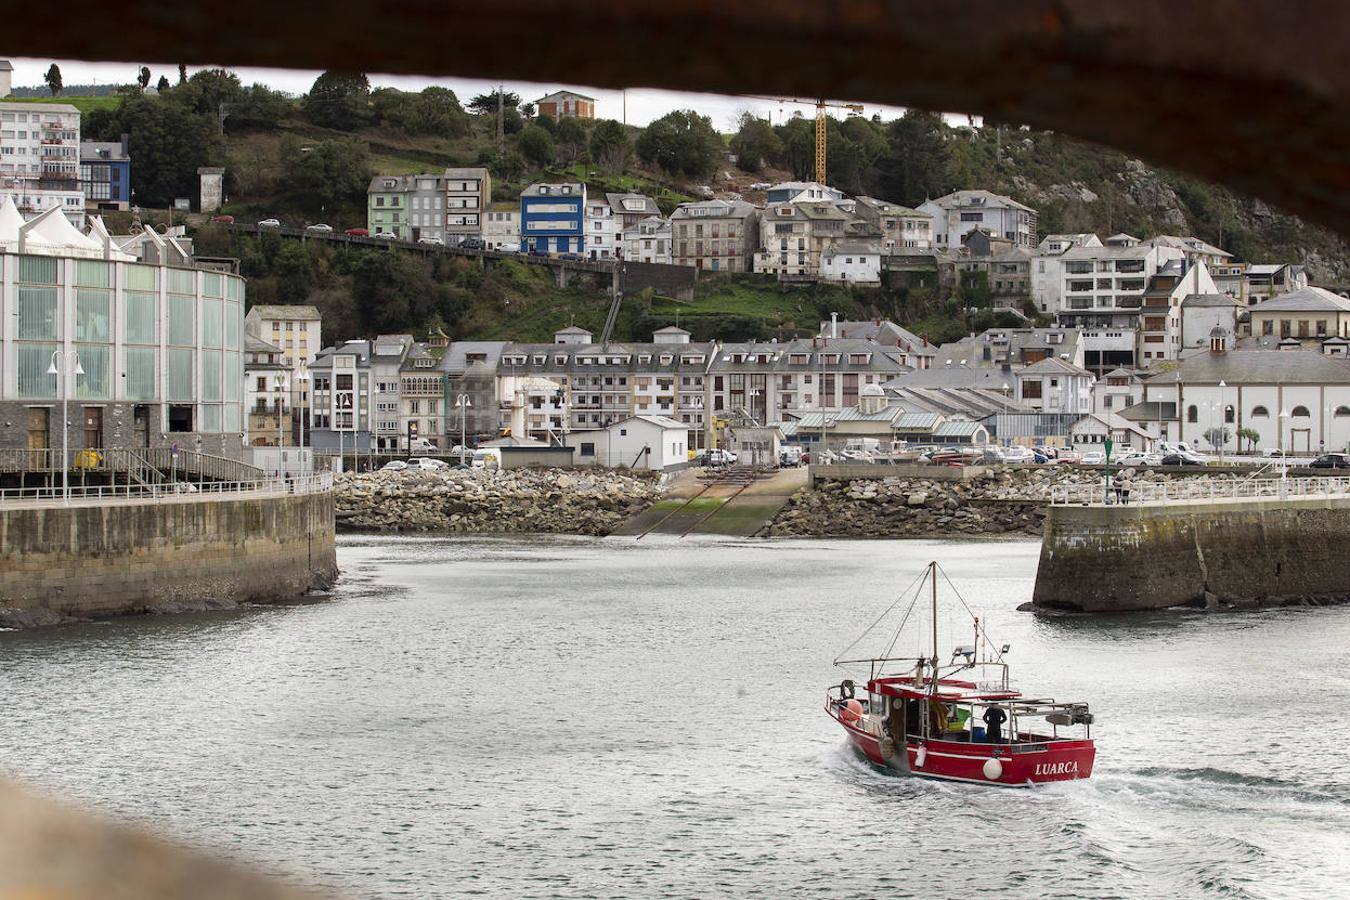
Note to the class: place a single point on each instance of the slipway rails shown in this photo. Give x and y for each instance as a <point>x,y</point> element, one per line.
<point>734,501</point>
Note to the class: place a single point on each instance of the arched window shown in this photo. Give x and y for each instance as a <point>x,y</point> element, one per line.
<point>1229,415</point>
<point>1192,414</point>
<point>1342,411</point>
<point>1260,413</point>
<point>1300,412</point>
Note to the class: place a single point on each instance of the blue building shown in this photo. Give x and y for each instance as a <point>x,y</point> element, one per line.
<point>553,218</point>
<point>105,174</point>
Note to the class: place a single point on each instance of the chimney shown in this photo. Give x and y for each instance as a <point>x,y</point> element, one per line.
<point>834,324</point>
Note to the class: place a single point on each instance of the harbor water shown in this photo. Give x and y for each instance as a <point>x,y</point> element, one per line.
<point>547,716</point>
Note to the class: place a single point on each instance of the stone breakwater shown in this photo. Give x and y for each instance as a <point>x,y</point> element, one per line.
<point>482,501</point>
<point>1005,502</point>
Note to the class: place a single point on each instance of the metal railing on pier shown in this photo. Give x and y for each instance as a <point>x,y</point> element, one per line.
<point>177,490</point>
<point>1164,492</point>
<point>144,464</point>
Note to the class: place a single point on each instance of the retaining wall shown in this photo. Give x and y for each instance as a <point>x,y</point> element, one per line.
<point>1212,553</point>
<point>98,559</point>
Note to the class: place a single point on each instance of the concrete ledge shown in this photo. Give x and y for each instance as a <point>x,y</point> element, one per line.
<point>1250,552</point>
<point>853,471</point>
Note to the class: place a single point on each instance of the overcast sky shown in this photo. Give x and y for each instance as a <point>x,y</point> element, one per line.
<point>643,104</point>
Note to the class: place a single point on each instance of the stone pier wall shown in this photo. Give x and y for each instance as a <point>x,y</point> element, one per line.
<point>1243,553</point>
<point>59,562</point>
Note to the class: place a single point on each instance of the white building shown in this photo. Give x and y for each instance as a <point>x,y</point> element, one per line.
<point>961,212</point>
<point>1202,313</point>
<point>1092,431</point>
<point>603,231</point>
<point>160,345</point>
<point>1054,385</point>
<point>297,331</point>
<point>1295,400</point>
<point>501,227</point>
<point>902,229</point>
<point>1117,390</point>
<point>851,262</point>
<point>6,76</point>
<point>648,241</point>
<point>637,442</point>
<point>1162,310</point>
<point>801,191</point>
<point>267,394</point>
<point>1046,274</point>
<point>40,158</point>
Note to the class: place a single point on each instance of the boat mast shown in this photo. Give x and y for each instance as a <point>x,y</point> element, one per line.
<point>932,568</point>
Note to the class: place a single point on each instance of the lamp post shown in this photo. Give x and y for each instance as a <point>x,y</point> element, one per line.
<point>303,378</point>
<point>1223,421</point>
<point>1284,454</point>
<point>465,404</point>
<point>70,365</point>
<point>1006,441</point>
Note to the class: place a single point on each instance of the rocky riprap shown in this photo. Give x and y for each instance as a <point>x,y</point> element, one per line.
<point>1007,501</point>
<point>483,501</point>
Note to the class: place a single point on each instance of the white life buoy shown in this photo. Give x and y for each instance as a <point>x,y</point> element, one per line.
<point>919,756</point>
<point>992,769</point>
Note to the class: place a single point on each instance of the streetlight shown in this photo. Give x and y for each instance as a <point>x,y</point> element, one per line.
<point>303,378</point>
<point>1284,454</point>
<point>1006,440</point>
<point>70,365</point>
<point>1223,422</point>
<point>465,404</point>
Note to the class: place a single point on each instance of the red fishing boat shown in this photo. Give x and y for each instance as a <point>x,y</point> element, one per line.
<point>962,721</point>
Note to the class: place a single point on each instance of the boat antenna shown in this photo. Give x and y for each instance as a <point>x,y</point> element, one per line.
<point>998,654</point>
<point>932,568</point>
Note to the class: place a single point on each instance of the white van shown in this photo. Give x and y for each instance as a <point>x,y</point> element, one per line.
<point>421,445</point>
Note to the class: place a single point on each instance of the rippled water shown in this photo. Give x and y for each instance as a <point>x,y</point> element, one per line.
<point>554,716</point>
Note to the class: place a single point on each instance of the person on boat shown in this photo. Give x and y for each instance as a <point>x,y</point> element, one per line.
<point>994,719</point>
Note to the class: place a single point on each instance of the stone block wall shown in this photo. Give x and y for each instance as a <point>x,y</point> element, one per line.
<point>1265,552</point>
<point>143,556</point>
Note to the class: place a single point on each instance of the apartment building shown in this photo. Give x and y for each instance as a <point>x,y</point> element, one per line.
<point>648,241</point>
<point>1047,276</point>
<point>421,398</point>
<point>267,395</point>
<point>1311,312</point>
<point>1175,283</point>
<point>1054,385</point>
<point>793,237</point>
<point>297,331</point>
<point>900,227</point>
<point>359,395</point>
<point>501,227</point>
<point>604,234</point>
<point>959,213</point>
<point>1194,249</point>
<point>40,158</point>
<point>719,235</point>
<point>468,192</point>
<point>852,262</point>
<point>1102,293</point>
<point>1271,280</point>
<point>470,369</point>
<point>387,206</point>
<point>553,218</point>
<point>105,174</point>
<point>1230,278</point>
<point>560,104</point>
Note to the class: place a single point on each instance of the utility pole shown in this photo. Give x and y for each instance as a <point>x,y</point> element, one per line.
<point>501,90</point>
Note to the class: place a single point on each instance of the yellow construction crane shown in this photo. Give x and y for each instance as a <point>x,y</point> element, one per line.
<point>821,105</point>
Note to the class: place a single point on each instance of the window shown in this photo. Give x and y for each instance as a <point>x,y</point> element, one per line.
<point>1257,413</point>
<point>1300,412</point>
<point>1342,411</point>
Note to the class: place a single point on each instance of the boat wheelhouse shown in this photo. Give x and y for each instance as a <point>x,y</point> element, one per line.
<point>960,721</point>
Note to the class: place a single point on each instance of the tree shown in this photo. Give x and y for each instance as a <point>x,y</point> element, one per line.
<point>339,100</point>
<point>435,110</point>
<point>798,138</point>
<point>755,143</point>
<point>53,79</point>
<point>571,139</point>
<point>258,108</point>
<point>163,84</point>
<point>1251,436</point>
<point>294,271</point>
<point>536,145</point>
<point>609,146</point>
<point>143,78</point>
<point>210,91</point>
<point>1218,437</point>
<point>681,142</point>
<point>167,140</point>
<point>320,177</point>
<point>182,74</point>
<point>914,167</point>
<point>485,104</point>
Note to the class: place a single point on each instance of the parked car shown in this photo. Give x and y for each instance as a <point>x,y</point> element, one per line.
<point>1273,452</point>
<point>431,240</point>
<point>1093,458</point>
<point>270,223</point>
<point>1331,461</point>
<point>993,455</point>
<point>319,228</point>
<point>1129,457</point>
<point>222,220</point>
<point>472,243</point>
<point>394,465</point>
<point>1040,456</point>
<point>1019,455</point>
<point>385,236</point>
<point>486,459</point>
<point>719,457</point>
<point>760,186</point>
<point>1181,459</point>
<point>1066,455</point>
<point>426,463</point>
<point>357,232</point>
<point>790,457</point>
